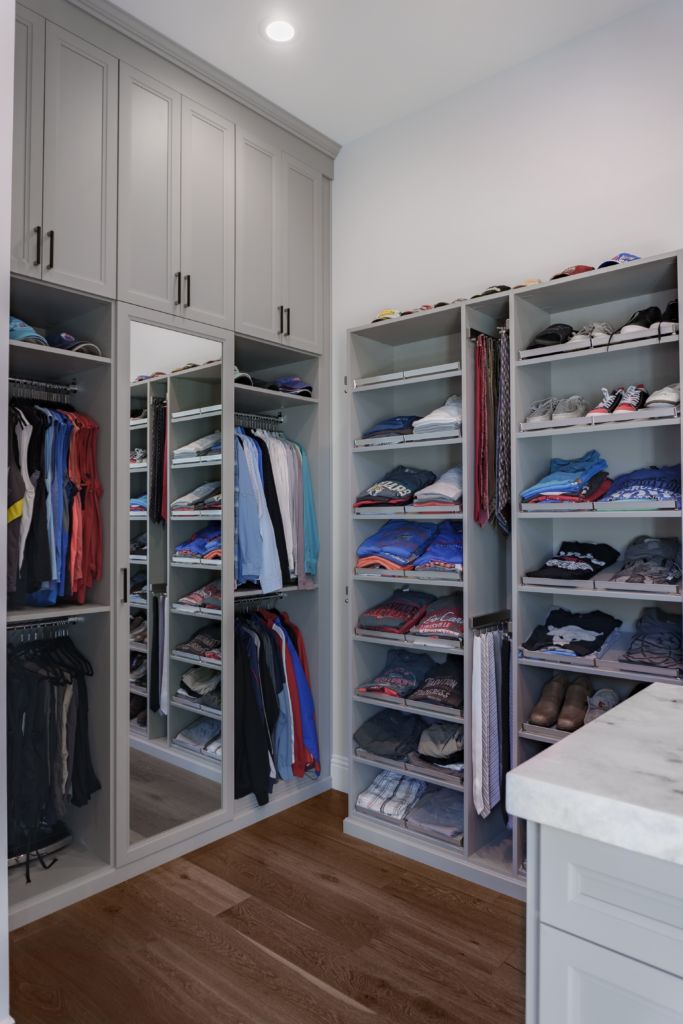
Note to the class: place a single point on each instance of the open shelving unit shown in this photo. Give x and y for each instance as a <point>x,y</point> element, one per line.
<point>610,295</point>
<point>419,352</point>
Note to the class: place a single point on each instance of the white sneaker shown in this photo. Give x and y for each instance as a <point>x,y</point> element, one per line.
<point>542,410</point>
<point>570,408</point>
<point>670,395</point>
<point>599,703</point>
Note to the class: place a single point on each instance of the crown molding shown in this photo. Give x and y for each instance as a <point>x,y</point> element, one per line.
<point>147,36</point>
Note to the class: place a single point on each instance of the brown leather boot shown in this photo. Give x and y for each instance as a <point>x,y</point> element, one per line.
<point>575,704</point>
<point>548,707</point>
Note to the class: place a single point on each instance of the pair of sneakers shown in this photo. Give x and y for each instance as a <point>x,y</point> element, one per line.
<point>619,400</point>
<point>555,409</point>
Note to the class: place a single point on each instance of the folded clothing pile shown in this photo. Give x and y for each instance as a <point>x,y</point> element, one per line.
<point>196,499</point>
<point>576,560</point>
<point>391,794</point>
<point>583,479</point>
<point>447,417</point>
<point>197,736</point>
<point>206,543</point>
<point>138,669</point>
<point>214,502</point>
<point>139,504</point>
<point>395,426</point>
<point>439,814</point>
<point>649,483</point>
<point>403,610</point>
<point>651,560</point>
<point>575,635</point>
<point>445,492</point>
<point>208,596</point>
<point>202,446</point>
<point>397,488</point>
<point>442,684</point>
<point>205,643</point>
<point>200,687</point>
<point>396,545</point>
<point>444,552</point>
<point>657,641</point>
<point>442,619</point>
<point>138,629</point>
<point>295,386</point>
<point>395,735</point>
<point>403,674</point>
<point>138,546</point>
<point>138,586</point>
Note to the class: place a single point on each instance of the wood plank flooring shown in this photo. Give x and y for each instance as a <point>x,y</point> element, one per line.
<point>286,922</point>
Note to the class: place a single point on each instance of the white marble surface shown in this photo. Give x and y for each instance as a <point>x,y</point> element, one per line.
<point>618,780</point>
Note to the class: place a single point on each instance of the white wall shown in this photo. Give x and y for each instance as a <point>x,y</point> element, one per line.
<point>569,158</point>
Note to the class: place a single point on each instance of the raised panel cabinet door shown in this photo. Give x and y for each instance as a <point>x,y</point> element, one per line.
<point>302,246</point>
<point>27,143</point>
<point>80,164</point>
<point>149,193</point>
<point>258,263</point>
<point>207,216</point>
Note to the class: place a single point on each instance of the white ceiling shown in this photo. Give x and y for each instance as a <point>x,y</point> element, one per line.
<point>359,64</point>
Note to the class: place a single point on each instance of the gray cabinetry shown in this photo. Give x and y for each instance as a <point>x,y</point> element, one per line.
<point>149,193</point>
<point>79,179</point>
<point>207,216</point>
<point>278,285</point>
<point>27,146</point>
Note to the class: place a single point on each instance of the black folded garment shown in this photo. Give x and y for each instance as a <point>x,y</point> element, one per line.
<point>576,560</point>
<point>443,685</point>
<point>657,641</point>
<point>577,635</point>
<point>397,487</point>
<point>390,733</point>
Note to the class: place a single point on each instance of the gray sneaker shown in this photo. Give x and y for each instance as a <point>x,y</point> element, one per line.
<point>594,330</point>
<point>542,410</point>
<point>570,408</point>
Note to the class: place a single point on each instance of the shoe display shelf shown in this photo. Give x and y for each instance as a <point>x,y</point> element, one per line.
<point>410,366</point>
<point>632,442</point>
<point>49,309</point>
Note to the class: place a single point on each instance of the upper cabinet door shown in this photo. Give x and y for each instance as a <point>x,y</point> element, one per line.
<point>27,151</point>
<point>80,160</point>
<point>207,216</point>
<point>302,248</point>
<point>149,193</point>
<point>258,270</point>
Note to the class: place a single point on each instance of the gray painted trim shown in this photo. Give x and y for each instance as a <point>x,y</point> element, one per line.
<point>135,29</point>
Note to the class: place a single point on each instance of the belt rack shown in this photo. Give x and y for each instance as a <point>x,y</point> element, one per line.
<point>256,421</point>
<point>47,629</point>
<point>38,389</point>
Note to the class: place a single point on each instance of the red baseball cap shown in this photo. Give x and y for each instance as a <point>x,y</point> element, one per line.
<point>570,271</point>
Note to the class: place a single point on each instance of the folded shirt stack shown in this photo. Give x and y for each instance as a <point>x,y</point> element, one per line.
<point>442,620</point>
<point>391,794</point>
<point>138,546</point>
<point>193,700</point>
<point>444,552</point>
<point>197,736</point>
<point>138,586</point>
<point>403,610</point>
<point>295,386</point>
<point>445,492</point>
<point>138,669</point>
<point>208,596</point>
<point>214,501</point>
<point>397,488</point>
<point>576,560</point>
<point>575,635</point>
<point>403,673</point>
<point>649,484</point>
<point>139,504</point>
<point>447,418</point>
<point>439,814</point>
<point>657,641</point>
<point>651,560</point>
<point>571,480</point>
<point>396,545</point>
<point>395,735</point>
<point>442,684</point>
<point>214,749</point>
<point>196,498</point>
<point>206,543</point>
<point>205,643</point>
<point>138,629</point>
<point>202,446</point>
<point>395,427</point>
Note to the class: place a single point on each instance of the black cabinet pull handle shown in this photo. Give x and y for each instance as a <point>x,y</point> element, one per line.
<point>179,286</point>
<point>51,236</point>
<point>287,331</point>
<point>187,278</point>
<point>38,260</point>
<point>281,311</point>
<point>124,599</point>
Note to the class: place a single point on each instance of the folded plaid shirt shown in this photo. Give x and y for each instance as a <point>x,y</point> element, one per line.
<point>392,794</point>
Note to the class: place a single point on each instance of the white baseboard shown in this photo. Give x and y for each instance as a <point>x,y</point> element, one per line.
<point>339,770</point>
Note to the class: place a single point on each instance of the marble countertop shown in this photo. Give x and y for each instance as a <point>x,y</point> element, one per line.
<point>618,780</point>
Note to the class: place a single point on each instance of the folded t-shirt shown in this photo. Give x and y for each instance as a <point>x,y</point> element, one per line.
<point>389,733</point>
<point>403,673</point>
<point>398,614</point>
<point>657,641</point>
<point>444,552</point>
<point>442,685</point>
<point>447,489</point>
<point>397,488</point>
<point>448,416</point>
<point>394,425</point>
<point>572,633</point>
<point>443,619</point>
<point>398,542</point>
<point>650,483</point>
<point>651,560</point>
<point>576,560</point>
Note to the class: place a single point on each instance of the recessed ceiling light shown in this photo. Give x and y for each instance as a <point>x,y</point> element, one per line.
<point>279,31</point>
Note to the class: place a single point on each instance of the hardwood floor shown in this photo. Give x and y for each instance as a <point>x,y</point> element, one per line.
<point>286,922</point>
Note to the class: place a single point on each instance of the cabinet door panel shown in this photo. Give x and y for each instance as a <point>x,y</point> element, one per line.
<point>27,143</point>
<point>302,237</point>
<point>258,285</point>
<point>80,161</point>
<point>149,192</point>
<point>207,207</point>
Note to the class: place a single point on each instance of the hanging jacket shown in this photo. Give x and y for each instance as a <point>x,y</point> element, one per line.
<point>252,769</point>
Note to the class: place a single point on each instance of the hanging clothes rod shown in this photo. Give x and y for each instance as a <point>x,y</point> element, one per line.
<point>43,385</point>
<point>258,599</point>
<point>30,627</point>
<point>248,419</point>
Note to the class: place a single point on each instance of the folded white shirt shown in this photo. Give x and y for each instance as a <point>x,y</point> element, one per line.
<point>448,415</point>
<point>448,488</point>
<point>199,447</point>
<point>197,496</point>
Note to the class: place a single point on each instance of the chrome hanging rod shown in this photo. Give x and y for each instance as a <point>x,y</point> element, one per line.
<point>258,599</point>
<point>249,419</point>
<point>43,385</point>
<point>30,627</point>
